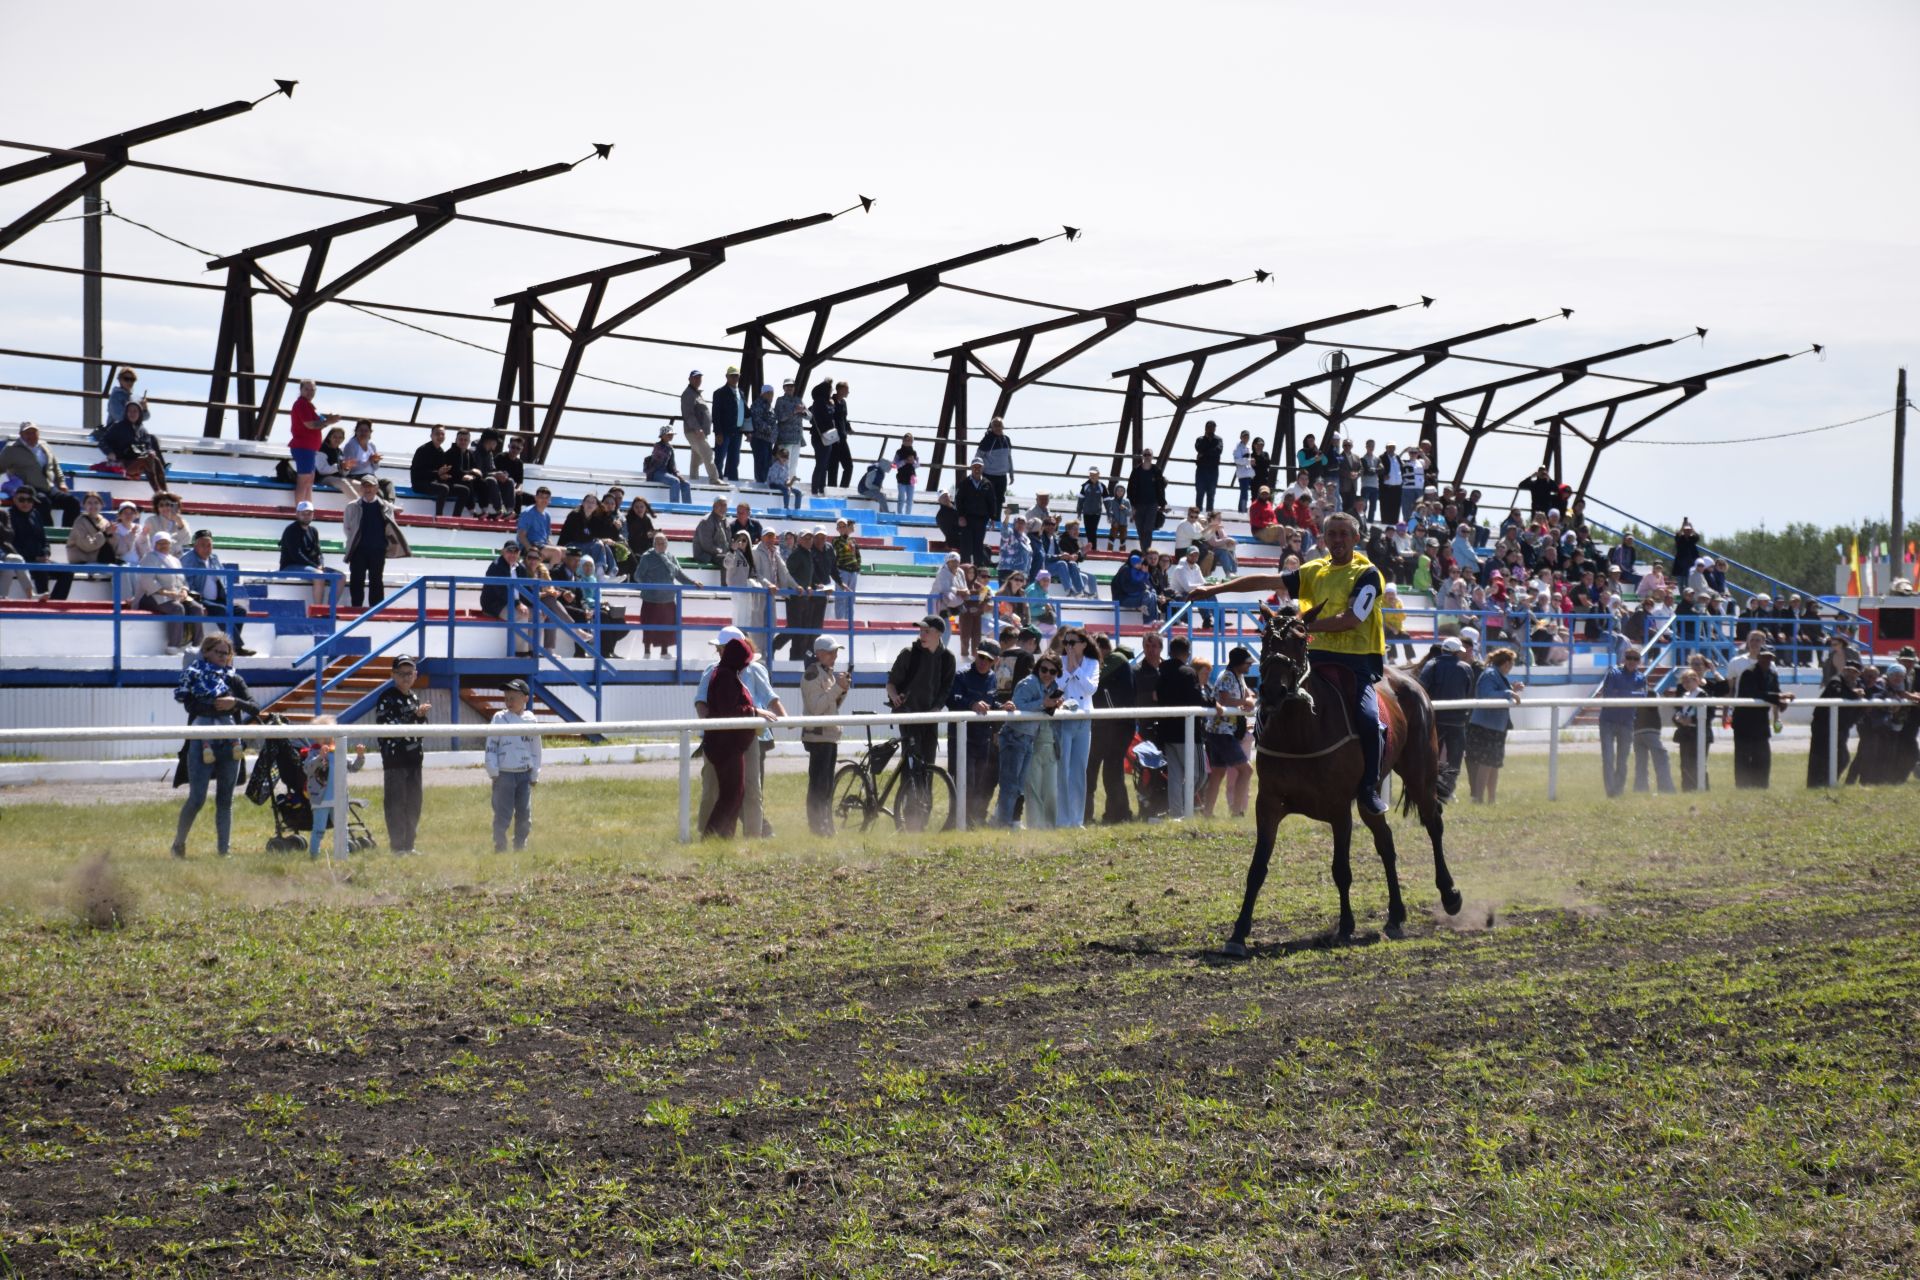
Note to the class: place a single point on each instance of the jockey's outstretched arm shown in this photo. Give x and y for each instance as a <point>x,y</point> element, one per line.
<point>1245,582</point>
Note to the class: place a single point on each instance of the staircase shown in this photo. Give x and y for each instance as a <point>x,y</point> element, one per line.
<point>296,704</point>
<point>483,699</point>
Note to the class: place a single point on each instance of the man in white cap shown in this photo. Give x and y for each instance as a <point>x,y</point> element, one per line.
<point>1448,676</point>
<point>823,688</point>
<point>300,550</point>
<point>162,588</point>
<point>730,423</point>
<point>764,432</point>
<point>696,419</point>
<point>767,706</point>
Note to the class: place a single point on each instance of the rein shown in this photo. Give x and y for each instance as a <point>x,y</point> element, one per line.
<point>1345,714</point>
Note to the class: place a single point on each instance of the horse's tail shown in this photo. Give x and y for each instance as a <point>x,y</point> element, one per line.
<point>1423,730</point>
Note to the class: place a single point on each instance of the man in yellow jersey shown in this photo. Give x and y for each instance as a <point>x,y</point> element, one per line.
<point>1347,632</point>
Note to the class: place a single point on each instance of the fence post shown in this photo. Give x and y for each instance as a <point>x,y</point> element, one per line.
<point>337,778</point>
<point>1553,753</point>
<point>686,785</point>
<point>960,779</point>
<point>1700,722</point>
<point>1833,745</point>
<point>1191,772</point>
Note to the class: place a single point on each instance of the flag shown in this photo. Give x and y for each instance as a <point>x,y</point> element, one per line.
<point>1912,560</point>
<point>1853,568</point>
<point>1870,582</point>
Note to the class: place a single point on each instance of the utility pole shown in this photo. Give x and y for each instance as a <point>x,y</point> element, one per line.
<point>92,377</point>
<point>1897,544</point>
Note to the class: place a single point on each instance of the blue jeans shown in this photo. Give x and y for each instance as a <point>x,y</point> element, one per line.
<point>726,453</point>
<point>1075,738</point>
<point>904,504</point>
<point>843,597</point>
<point>1646,742</point>
<point>223,772</point>
<point>1015,749</point>
<point>678,490</point>
<point>323,810</point>
<point>1616,739</point>
<point>1068,574</point>
<point>1246,493</point>
<point>1226,561</point>
<point>762,459</point>
<point>512,798</point>
<point>1206,481</point>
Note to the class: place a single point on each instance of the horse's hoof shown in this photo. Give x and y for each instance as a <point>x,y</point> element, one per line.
<point>1235,948</point>
<point>1344,934</point>
<point>1396,930</point>
<point>1452,900</point>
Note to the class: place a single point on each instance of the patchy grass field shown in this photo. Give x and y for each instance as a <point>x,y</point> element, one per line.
<point>1668,1036</point>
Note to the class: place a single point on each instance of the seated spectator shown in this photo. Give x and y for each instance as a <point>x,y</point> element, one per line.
<point>163,589</point>
<point>511,470</point>
<point>660,609</point>
<point>431,474</point>
<point>780,477</point>
<point>947,517</point>
<point>573,596</point>
<point>1016,551</point>
<point>1069,555</point>
<point>661,468</point>
<point>468,466</point>
<point>497,599</point>
<point>125,537</point>
<point>1184,577</point>
<point>1133,588</point>
<point>1219,550</point>
<point>1010,601</point>
<point>330,463</point>
<point>212,587</point>
<point>129,445</point>
<point>28,527</point>
<point>577,530</point>
<point>27,463</point>
<point>166,515</point>
<point>361,457</point>
<point>300,552</point>
<point>535,528</point>
<point>1265,519</point>
<point>90,537</point>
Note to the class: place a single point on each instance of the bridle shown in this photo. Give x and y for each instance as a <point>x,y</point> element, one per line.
<point>1283,661</point>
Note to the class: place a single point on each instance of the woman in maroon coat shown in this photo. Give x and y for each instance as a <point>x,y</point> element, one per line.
<point>728,699</point>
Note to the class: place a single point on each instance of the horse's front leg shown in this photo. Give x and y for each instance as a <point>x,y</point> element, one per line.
<point>1268,810</point>
<point>1390,863</point>
<point>1451,899</point>
<point>1343,870</point>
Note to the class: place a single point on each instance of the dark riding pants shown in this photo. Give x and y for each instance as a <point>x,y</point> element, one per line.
<point>1366,669</point>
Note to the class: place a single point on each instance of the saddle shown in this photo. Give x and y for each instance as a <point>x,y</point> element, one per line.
<point>1345,681</point>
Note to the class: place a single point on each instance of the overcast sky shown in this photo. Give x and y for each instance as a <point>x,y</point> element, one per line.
<point>1743,166</point>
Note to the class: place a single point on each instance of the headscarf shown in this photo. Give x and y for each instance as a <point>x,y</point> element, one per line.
<point>727,695</point>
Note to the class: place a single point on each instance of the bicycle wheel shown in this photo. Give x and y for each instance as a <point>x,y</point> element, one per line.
<point>854,805</point>
<point>924,801</point>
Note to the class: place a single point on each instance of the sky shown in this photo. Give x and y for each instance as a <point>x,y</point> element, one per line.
<point>1743,166</point>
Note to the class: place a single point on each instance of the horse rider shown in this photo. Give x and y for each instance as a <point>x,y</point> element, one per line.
<point>1341,591</point>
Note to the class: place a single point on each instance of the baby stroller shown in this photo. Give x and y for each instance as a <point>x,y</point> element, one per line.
<point>1148,765</point>
<point>279,781</point>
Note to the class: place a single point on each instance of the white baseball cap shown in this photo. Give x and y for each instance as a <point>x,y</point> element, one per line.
<point>1452,645</point>
<point>1469,636</point>
<point>302,506</point>
<point>728,633</point>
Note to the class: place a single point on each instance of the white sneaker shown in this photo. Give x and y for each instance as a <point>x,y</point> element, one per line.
<point>174,651</point>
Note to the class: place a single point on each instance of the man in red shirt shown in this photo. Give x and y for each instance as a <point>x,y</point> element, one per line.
<point>1264,519</point>
<point>307,438</point>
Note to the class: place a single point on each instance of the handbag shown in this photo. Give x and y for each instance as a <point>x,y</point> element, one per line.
<point>830,437</point>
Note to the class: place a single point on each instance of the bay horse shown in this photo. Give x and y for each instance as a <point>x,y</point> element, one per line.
<point>1310,763</point>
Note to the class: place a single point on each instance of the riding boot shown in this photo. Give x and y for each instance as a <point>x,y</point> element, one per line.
<point>1367,730</point>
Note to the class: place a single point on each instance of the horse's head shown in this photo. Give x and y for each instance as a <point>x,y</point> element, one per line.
<point>1283,656</point>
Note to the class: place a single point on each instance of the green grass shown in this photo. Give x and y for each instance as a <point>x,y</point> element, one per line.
<point>1668,1036</point>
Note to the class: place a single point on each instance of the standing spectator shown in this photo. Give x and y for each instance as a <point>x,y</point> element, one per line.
<point>974,498</point>
<point>697,420</point>
<point>1079,681</point>
<point>846,569</point>
<point>772,568</point>
<point>513,765</point>
<point>921,679</point>
<point>304,446</point>
<point>28,526</point>
<point>807,611</point>
<point>212,587</point>
<point>212,693</point>
<point>822,435</point>
<point>1370,484</point>
<point>1243,469</point>
<point>1177,685</point>
<point>661,468</point>
<point>728,751</point>
<point>711,535</point>
<point>90,539</point>
<point>730,423</point>
<point>1119,515</point>
<point>822,691</point>
<point>1686,550</point>
<point>1487,727</point>
<point>1029,762</point>
<point>1347,481</point>
<point>659,609</point>
<point>1542,491</point>
<point>840,469</point>
<point>326,784</point>
<point>1393,618</point>
<point>1227,762</point>
<point>1092,506</point>
<point>765,704</point>
<point>1107,755</point>
<point>906,470</point>
<point>1753,727</point>
<point>1147,486</point>
<point>1688,724</point>
<point>26,463</point>
<point>790,421</point>
<point>1265,468</point>
<point>364,525</point>
<point>400,758</point>
<point>765,432</point>
<point>1206,466</point>
<point>995,454</point>
<point>1617,723</point>
<point>946,518</point>
<point>975,689</point>
<point>1392,475</point>
<point>431,475</point>
<point>162,589</point>
<point>1413,477</point>
<point>1447,676</point>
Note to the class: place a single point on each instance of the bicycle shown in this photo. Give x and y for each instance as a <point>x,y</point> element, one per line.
<point>917,795</point>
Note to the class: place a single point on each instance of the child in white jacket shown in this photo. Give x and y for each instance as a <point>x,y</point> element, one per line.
<point>513,762</point>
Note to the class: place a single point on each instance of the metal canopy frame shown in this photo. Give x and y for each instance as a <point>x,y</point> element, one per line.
<point>1341,377</point>
<point>587,327</point>
<point>953,405</point>
<point>1485,423</point>
<point>1682,389</point>
<point>818,348</point>
<point>1141,377</point>
<point>233,348</point>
